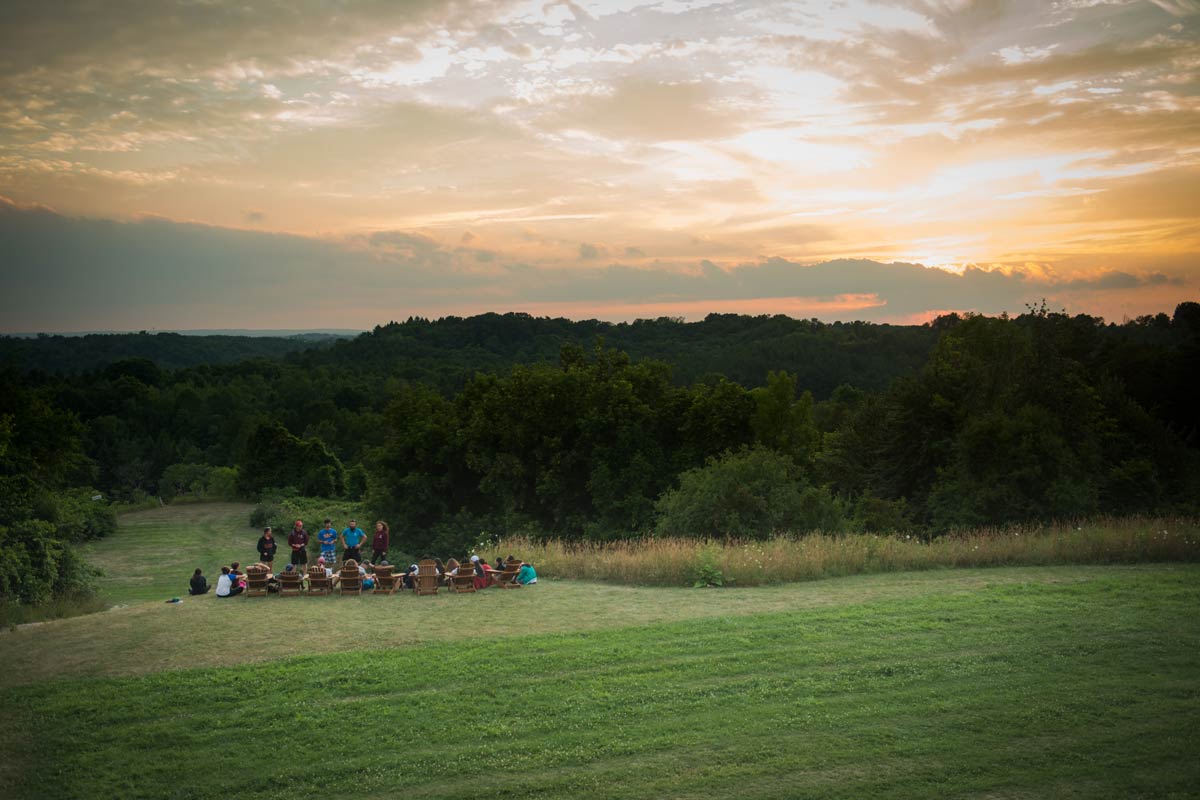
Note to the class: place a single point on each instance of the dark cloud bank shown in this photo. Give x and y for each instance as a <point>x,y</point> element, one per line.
<point>63,273</point>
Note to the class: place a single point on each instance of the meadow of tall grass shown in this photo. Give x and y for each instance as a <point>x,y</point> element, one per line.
<point>783,558</point>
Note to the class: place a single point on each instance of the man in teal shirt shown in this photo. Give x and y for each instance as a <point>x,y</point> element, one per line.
<point>351,539</point>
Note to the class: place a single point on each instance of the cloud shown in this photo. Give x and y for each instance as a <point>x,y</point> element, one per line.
<point>236,38</point>
<point>948,133</point>
<point>649,110</point>
<point>1178,8</point>
<point>100,272</point>
<point>158,273</point>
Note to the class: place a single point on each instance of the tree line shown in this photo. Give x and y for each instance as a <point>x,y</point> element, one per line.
<point>966,421</point>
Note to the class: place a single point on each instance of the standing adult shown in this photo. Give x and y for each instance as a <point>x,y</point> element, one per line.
<point>327,537</point>
<point>267,547</point>
<point>379,544</point>
<point>352,538</point>
<point>298,541</point>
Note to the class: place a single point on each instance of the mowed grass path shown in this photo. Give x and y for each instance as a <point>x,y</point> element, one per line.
<point>153,553</point>
<point>1048,682</point>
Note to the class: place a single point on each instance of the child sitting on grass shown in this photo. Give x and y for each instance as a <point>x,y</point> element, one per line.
<point>227,585</point>
<point>199,584</point>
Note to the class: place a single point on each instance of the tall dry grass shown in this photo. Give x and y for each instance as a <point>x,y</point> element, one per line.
<point>782,559</point>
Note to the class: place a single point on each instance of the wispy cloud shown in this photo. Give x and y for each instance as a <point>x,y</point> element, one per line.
<point>650,134</point>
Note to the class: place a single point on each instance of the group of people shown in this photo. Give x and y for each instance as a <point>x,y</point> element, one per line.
<point>232,581</point>
<point>351,539</point>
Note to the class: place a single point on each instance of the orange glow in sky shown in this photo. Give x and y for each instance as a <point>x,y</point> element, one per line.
<point>227,166</point>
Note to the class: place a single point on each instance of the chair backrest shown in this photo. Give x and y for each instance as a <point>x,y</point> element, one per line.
<point>256,580</point>
<point>290,582</point>
<point>350,580</point>
<point>385,581</point>
<point>318,581</point>
<point>427,576</point>
<point>383,572</point>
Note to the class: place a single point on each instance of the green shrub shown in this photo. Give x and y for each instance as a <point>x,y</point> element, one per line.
<point>35,565</point>
<point>750,495</point>
<point>281,510</point>
<point>877,515</point>
<point>356,482</point>
<point>706,571</point>
<point>200,481</point>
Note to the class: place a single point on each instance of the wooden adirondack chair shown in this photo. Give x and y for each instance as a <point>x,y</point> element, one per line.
<point>464,581</point>
<point>318,582</point>
<point>349,581</point>
<point>290,584</point>
<point>507,577</point>
<point>427,577</point>
<point>256,581</point>
<point>385,581</point>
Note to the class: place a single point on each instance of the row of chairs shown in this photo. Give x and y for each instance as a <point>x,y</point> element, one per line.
<point>350,581</point>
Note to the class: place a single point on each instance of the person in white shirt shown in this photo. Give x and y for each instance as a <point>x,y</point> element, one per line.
<point>225,585</point>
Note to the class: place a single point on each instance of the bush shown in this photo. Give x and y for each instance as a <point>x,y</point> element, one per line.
<point>876,515</point>
<point>82,518</point>
<point>199,481</point>
<point>35,566</point>
<point>222,483</point>
<point>750,495</point>
<point>356,482</point>
<point>281,510</point>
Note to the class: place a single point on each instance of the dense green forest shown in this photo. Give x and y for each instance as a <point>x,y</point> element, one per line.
<point>446,352</point>
<point>460,429</point>
<point>72,355</point>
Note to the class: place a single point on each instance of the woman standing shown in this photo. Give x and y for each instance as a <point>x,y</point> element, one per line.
<point>379,544</point>
<point>267,547</point>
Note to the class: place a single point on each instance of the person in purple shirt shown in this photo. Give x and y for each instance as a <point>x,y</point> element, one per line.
<point>379,544</point>
<point>298,541</point>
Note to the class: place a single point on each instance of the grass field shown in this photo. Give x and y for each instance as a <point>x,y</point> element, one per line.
<point>1009,682</point>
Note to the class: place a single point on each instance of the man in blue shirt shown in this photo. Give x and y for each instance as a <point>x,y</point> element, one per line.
<point>327,537</point>
<point>352,537</point>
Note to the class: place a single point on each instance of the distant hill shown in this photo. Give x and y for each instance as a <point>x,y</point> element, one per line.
<point>306,333</point>
<point>446,351</point>
<point>74,353</point>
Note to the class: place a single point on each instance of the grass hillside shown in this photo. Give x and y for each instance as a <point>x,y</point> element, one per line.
<point>1013,682</point>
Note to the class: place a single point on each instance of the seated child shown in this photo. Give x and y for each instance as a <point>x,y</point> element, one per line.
<point>410,577</point>
<point>526,575</point>
<point>199,584</point>
<point>227,584</point>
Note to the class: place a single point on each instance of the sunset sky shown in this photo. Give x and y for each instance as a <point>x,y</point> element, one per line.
<point>203,164</point>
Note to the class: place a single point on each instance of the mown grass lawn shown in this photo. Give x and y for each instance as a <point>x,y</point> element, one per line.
<point>153,553</point>
<point>1047,682</point>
